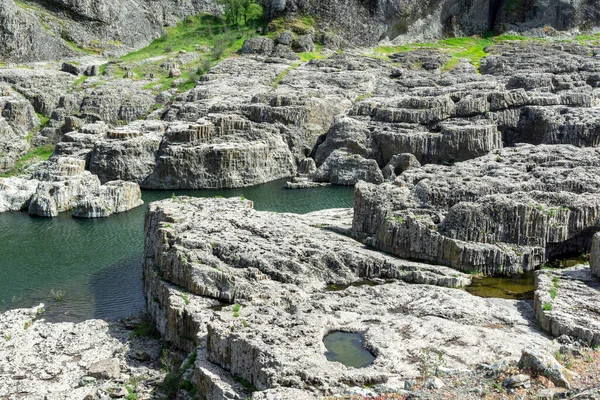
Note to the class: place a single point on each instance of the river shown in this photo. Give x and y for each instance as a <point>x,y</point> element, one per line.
<point>97,264</point>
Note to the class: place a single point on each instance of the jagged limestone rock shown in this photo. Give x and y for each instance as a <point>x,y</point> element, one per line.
<point>503,213</point>
<point>566,303</point>
<point>201,255</point>
<point>112,197</point>
<point>17,120</point>
<point>62,184</point>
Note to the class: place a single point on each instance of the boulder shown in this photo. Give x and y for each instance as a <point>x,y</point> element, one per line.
<point>540,362</point>
<point>258,45</point>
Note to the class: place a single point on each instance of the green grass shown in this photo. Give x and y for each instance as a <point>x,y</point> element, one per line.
<point>469,48</point>
<point>202,31</point>
<point>283,74</point>
<point>553,293</point>
<point>38,154</point>
<point>80,80</point>
<point>190,34</point>
<point>145,329</point>
<point>547,306</point>
<point>44,119</point>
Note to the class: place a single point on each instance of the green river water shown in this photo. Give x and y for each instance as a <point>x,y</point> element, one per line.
<point>98,263</point>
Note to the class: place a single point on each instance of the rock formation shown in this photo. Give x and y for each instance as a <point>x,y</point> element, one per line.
<point>57,29</point>
<point>503,213</point>
<point>566,303</point>
<point>91,359</point>
<point>63,185</point>
<point>201,256</point>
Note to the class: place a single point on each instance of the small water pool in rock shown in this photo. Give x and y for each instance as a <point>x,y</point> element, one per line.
<point>347,348</point>
<point>515,287</point>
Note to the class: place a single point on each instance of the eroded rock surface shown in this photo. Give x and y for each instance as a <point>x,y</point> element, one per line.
<point>506,212</point>
<point>567,302</point>
<point>91,359</point>
<point>201,255</point>
<point>62,184</point>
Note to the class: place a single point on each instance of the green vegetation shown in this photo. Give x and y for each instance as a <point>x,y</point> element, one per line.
<point>298,24</point>
<point>131,394</point>
<point>236,310</point>
<point>283,74</point>
<point>145,329</point>
<point>33,156</point>
<point>553,293</point>
<point>80,80</point>
<point>429,362</point>
<point>174,375</point>
<point>547,306</point>
<point>237,11</point>
<point>204,33</point>
<point>185,298</point>
<point>471,48</point>
<point>43,120</point>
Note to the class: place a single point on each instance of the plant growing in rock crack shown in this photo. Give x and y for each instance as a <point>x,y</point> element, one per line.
<point>185,298</point>
<point>131,394</point>
<point>57,294</point>
<point>28,324</point>
<point>547,306</point>
<point>429,362</point>
<point>145,329</point>
<point>236,310</point>
<point>7,337</point>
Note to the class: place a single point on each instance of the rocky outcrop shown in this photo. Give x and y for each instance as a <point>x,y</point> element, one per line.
<point>62,184</point>
<point>366,23</point>
<point>15,193</point>
<point>57,29</point>
<point>17,120</point>
<point>507,212</point>
<point>202,255</point>
<point>566,303</point>
<point>92,359</point>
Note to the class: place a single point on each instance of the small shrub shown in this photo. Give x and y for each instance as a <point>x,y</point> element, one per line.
<point>219,48</point>
<point>145,329</point>
<point>429,362</point>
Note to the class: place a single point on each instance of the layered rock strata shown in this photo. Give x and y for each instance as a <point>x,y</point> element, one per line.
<point>17,119</point>
<point>63,184</point>
<point>203,255</point>
<point>503,213</point>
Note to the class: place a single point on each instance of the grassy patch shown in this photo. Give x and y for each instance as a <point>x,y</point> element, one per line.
<point>145,329</point>
<point>202,33</point>
<point>283,74</point>
<point>547,306</point>
<point>44,120</point>
<point>469,48</point>
<point>80,80</point>
<point>38,154</point>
